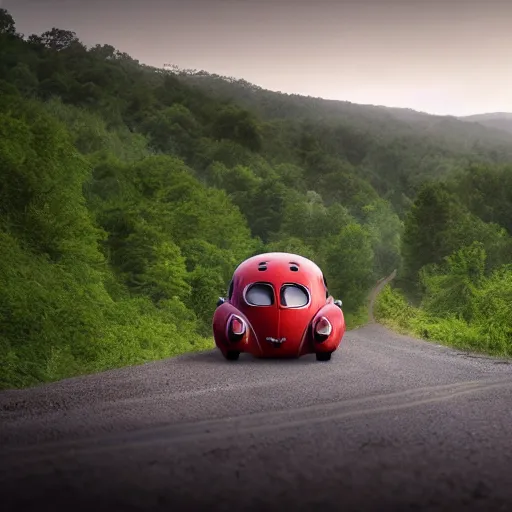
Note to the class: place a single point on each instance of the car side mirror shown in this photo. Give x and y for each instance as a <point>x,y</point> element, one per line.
<point>338,303</point>
<point>221,301</point>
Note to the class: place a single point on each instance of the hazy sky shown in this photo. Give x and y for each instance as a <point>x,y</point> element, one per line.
<point>438,56</point>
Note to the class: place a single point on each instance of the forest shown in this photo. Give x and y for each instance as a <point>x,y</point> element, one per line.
<point>129,195</point>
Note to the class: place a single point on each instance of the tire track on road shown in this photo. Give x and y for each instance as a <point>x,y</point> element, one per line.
<point>254,423</point>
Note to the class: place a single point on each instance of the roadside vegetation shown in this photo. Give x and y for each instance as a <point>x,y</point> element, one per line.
<point>129,194</point>
<point>455,284</point>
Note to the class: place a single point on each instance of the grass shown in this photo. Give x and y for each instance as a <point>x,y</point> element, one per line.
<point>356,319</point>
<point>393,311</point>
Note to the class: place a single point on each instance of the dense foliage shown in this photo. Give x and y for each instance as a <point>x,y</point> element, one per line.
<point>393,149</point>
<point>128,196</point>
<point>457,263</point>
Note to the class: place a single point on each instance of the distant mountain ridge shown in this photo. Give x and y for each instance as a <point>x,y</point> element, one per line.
<point>496,120</point>
<point>488,117</point>
<point>383,122</point>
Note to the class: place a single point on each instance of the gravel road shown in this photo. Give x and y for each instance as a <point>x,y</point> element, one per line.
<point>390,423</point>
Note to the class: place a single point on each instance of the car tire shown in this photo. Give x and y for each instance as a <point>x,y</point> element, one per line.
<point>323,356</point>
<point>232,355</point>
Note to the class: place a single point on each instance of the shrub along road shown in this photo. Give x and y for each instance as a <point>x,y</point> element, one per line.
<point>389,423</point>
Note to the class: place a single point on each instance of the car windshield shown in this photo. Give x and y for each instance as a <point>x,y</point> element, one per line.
<point>294,296</point>
<point>260,294</point>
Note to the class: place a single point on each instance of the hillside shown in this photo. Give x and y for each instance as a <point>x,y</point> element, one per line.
<point>394,149</point>
<point>380,121</point>
<point>496,120</point>
<point>128,196</point>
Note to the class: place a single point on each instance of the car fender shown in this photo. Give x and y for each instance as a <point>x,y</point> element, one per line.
<point>337,320</point>
<point>220,323</point>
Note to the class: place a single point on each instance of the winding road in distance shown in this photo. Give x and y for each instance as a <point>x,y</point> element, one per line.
<point>390,423</point>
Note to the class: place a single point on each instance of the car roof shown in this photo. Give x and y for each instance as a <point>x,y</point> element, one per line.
<point>281,266</point>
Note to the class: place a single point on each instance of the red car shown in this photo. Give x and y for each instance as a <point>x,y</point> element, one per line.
<point>278,305</point>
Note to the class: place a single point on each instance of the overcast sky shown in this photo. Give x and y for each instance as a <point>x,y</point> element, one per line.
<point>438,56</point>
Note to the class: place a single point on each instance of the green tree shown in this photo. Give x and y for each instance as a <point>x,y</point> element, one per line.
<point>7,25</point>
<point>386,228</point>
<point>450,288</point>
<point>348,260</point>
<point>434,212</point>
<point>238,125</point>
<point>58,39</point>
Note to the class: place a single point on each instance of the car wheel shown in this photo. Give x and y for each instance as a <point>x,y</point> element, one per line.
<point>232,355</point>
<point>323,356</point>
